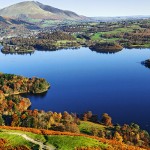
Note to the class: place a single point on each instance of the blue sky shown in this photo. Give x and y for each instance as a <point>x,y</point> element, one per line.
<point>96,7</point>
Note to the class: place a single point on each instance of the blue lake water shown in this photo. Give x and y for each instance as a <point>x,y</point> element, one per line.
<point>83,80</point>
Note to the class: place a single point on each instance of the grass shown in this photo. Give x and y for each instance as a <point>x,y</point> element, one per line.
<point>15,140</point>
<point>109,40</point>
<point>32,135</point>
<point>86,127</point>
<point>61,142</point>
<point>122,30</point>
<point>97,36</point>
<point>47,23</point>
<point>71,142</point>
<point>38,137</point>
<point>67,142</point>
<point>34,20</point>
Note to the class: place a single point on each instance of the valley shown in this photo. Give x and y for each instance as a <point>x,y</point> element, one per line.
<point>72,82</point>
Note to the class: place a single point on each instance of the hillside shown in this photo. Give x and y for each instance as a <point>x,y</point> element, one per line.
<point>35,138</point>
<point>12,27</point>
<point>10,21</point>
<point>37,10</point>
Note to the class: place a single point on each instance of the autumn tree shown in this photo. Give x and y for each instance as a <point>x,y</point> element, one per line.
<point>106,119</point>
<point>1,121</point>
<point>117,137</point>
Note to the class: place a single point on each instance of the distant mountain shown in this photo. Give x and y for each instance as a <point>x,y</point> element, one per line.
<point>36,10</point>
<point>119,18</point>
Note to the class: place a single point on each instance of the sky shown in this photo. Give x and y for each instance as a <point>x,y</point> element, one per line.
<point>93,8</point>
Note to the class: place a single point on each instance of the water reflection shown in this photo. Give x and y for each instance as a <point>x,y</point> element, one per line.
<point>59,49</point>
<point>104,51</point>
<point>18,53</point>
<point>41,95</point>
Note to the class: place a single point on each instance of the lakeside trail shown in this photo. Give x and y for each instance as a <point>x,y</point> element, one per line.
<point>41,145</point>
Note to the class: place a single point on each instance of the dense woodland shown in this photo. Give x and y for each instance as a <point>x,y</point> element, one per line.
<point>106,47</point>
<point>12,84</point>
<point>12,103</point>
<point>17,49</point>
<point>43,41</point>
<point>56,36</point>
<point>129,134</point>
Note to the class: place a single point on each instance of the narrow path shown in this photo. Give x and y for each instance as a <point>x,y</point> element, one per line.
<point>42,146</point>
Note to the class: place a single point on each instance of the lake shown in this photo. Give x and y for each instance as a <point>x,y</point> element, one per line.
<point>83,80</point>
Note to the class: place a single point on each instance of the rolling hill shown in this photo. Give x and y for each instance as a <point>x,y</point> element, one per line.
<point>10,21</point>
<point>12,27</point>
<point>37,10</point>
<point>29,138</point>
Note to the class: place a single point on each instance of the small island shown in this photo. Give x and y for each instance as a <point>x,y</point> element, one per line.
<point>106,47</point>
<point>146,63</point>
<point>12,84</point>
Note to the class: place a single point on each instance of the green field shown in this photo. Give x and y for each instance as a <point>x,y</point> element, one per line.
<point>61,142</point>
<point>71,142</point>
<point>87,127</point>
<point>15,140</point>
<point>67,142</point>
<point>97,36</point>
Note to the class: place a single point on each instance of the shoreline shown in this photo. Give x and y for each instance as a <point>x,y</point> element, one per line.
<point>19,93</point>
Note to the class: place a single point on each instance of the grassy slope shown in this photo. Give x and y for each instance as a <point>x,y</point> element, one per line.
<point>97,35</point>
<point>59,141</point>
<point>86,127</point>
<point>26,8</point>
<point>68,141</point>
<point>15,140</point>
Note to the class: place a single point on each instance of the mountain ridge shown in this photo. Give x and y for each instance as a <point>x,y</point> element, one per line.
<point>37,10</point>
